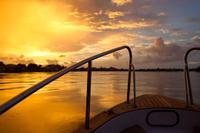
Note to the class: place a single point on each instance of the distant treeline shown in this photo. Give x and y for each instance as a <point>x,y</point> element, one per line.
<point>13,68</point>
<point>7,68</point>
<point>167,69</point>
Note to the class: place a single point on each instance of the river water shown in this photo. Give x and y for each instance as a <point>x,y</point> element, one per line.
<point>60,106</point>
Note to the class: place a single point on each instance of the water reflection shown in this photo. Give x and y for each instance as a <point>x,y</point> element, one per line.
<point>59,107</point>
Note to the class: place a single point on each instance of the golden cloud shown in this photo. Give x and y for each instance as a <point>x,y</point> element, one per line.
<point>121,2</point>
<point>114,14</point>
<point>127,25</point>
<point>31,26</point>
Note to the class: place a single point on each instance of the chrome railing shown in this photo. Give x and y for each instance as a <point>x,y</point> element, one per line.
<point>12,102</point>
<point>188,90</point>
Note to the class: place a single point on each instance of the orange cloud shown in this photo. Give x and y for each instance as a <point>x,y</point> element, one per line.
<point>127,25</point>
<point>114,14</point>
<point>121,2</point>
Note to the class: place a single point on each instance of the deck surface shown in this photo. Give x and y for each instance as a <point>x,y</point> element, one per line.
<point>142,102</point>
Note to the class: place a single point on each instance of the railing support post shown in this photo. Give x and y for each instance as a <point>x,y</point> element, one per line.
<point>188,89</point>
<point>88,96</point>
<point>129,77</point>
<point>134,87</point>
<point>186,86</point>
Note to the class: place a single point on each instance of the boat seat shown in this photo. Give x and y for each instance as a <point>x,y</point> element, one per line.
<point>134,129</point>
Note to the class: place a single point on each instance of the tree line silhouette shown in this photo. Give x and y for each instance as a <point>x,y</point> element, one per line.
<point>16,68</point>
<point>29,68</point>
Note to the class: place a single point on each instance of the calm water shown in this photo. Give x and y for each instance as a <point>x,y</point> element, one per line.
<point>59,107</point>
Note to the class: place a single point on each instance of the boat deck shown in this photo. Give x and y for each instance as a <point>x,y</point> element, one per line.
<point>142,102</point>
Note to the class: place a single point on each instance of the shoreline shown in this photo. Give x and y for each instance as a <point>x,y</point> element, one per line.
<point>139,70</point>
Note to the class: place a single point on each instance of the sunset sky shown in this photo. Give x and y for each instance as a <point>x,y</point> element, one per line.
<point>67,31</point>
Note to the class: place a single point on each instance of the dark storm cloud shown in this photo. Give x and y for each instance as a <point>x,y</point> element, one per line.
<point>161,53</point>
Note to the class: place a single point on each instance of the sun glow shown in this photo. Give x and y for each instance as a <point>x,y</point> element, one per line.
<point>39,53</point>
<point>31,28</point>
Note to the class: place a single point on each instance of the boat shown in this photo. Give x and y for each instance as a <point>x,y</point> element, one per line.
<point>141,114</point>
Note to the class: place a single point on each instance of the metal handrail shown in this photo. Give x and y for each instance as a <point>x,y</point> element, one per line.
<point>12,102</point>
<point>189,96</point>
<point>134,87</point>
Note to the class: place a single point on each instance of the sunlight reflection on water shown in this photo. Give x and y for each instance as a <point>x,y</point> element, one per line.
<point>60,106</point>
